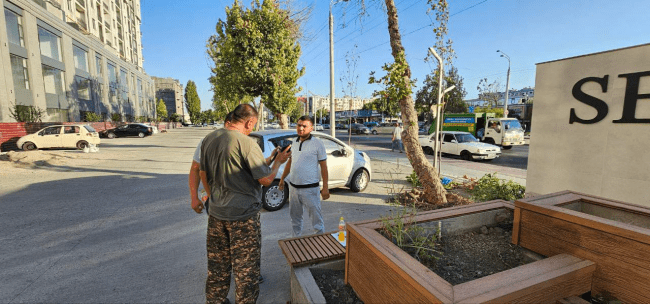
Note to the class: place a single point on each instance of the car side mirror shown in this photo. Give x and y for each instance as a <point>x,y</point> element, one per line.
<point>453,141</point>
<point>507,126</point>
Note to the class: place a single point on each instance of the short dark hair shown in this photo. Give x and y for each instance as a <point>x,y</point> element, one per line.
<point>228,118</point>
<point>307,117</point>
<point>243,112</point>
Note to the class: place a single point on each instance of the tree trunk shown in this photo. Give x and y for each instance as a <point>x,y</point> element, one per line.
<point>434,192</point>
<point>260,117</point>
<point>284,121</point>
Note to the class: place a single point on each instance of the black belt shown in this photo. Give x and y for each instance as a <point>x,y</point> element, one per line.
<point>305,186</point>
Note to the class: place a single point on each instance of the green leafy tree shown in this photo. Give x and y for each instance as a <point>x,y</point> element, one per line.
<point>174,117</point>
<point>161,110</point>
<point>399,87</point>
<point>255,53</point>
<point>192,101</point>
<point>427,96</point>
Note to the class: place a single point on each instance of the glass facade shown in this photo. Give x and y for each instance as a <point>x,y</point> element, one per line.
<point>83,87</point>
<point>19,72</point>
<point>53,80</point>
<point>14,28</point>
<point>98,62</point>
<point>50,44</point>
<point>80,58</point>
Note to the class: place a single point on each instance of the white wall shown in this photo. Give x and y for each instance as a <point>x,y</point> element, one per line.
<point>604,158</point>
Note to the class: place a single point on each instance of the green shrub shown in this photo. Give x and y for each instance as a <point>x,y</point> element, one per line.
<point>92,117</point>
<point>414,180</point>
<point>489,187</point>
<point>400,227</point>
<point>116,117</point>
<point>23,113</point>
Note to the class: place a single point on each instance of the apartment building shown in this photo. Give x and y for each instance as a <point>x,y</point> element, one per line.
<point>69,57</point>
<point>171,92</point>
<point>346,103</point>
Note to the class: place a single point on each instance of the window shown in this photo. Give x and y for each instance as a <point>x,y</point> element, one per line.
<point>19,72</point>
<point>330,146</point>
<point>448,137</point>
<point>98,61</point>
<point>51,131</point>
<point>83,87</point>
<point>50,44</point>
<point>71,129</point>
<point>112,74</point>
<point>14,28</point>
<point>80,58</point>
<point>53,80</point>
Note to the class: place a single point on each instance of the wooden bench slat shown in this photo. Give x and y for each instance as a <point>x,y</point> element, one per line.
<point>323,244</point>
<point>309,254</point>
<point>339,248</point>
<point>314,244</point>
<point>297,250</point>
<point>332,247</point>
<point>288,253</point>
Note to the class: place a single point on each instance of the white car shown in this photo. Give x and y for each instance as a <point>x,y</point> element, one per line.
<point>318,127</point>
<point>60,136</point>
<point>463,144</point>
<point>346,166</point>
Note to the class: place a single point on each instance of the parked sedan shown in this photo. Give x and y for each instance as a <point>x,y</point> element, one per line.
<point>463,144</point>
<point>60,136</point>
<point>346,166</point>
<point>133,129</point>
<point>359,129</point>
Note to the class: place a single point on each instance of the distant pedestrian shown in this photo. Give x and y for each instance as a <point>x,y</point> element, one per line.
<point>397,139</point>
<point>232,171</point>
<point>307,154</point>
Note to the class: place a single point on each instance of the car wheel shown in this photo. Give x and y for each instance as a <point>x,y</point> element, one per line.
<point>82,144</point>
<point>110,135</point>
<point>141,135</point>
<point>273,198</point>
<point>374,132</point>
<point>428,150</point>
<point>359,180</point>
<point>29,146</point>
<point>506,147</point>
<point>466,155</point>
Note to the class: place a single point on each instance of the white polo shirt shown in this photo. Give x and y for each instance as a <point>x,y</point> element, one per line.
<point>305,155</point>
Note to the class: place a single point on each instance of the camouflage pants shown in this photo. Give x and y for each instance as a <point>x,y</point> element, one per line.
<point>233,246</point>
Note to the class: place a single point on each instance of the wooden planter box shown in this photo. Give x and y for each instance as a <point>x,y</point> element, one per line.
<point>380,272</point>
<point>614,235</point>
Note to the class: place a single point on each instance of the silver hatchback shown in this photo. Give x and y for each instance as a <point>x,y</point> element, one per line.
<point>346,166</point>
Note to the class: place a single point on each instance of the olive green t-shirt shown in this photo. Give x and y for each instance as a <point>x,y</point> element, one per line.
<point>233,163</point>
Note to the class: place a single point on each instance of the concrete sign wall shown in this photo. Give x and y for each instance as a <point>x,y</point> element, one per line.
<point>592,126</point>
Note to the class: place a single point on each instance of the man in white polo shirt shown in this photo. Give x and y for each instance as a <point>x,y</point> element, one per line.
<point>307,154</point>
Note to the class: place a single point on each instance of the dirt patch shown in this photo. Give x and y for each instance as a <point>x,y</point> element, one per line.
<point>332,285</point>
<point>15,162</point>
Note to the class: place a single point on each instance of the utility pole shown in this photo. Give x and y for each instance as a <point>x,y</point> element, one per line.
<point>332,105</point>
<point>505,103</point>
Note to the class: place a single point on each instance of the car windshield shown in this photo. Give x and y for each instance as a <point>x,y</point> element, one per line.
<point>512,124</point>
<point>465,138</point>
<point>90,129</point>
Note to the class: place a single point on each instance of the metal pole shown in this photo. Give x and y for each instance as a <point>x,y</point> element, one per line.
<point>438,118</point>
<point>332,106</point>
<point>505,103</point>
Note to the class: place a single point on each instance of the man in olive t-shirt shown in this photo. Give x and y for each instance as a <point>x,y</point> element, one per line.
<point>232,172</point>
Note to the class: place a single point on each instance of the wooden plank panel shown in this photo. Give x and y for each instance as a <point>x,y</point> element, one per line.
<point>330,246</point>
<point>621,293</point>
<point>611,274</point>
<point>298,251</point>
<point>505,278</point>
<point>572,300</point>
<point>309,255</point>
<point>314,248</point>
<point>338,248</point>
<point>603,243</point>
<point>543,288</point>
<point>322,244</point>
<point>516,226</point>
<point>375,281</point>
<point>410,271</point>
<point>288,253</point>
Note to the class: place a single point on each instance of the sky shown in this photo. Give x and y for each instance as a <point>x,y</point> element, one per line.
<point>174,35</point>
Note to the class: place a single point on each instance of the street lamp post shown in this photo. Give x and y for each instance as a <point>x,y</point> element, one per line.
<point>505,103</point>
<point>332,105</point>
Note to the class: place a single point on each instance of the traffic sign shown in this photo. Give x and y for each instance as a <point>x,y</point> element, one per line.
<point>470,109</point>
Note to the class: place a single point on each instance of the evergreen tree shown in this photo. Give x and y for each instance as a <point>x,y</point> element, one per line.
<point>161,110</point>
<point>192,101</point>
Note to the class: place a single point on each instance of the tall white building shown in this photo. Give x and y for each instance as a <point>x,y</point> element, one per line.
<point>346,103</point>
<point>69,57</point>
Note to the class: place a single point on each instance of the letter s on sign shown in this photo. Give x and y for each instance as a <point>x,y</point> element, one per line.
<point>589,100</point>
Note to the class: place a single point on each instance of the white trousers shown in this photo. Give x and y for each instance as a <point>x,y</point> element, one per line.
<point>305,198</point>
